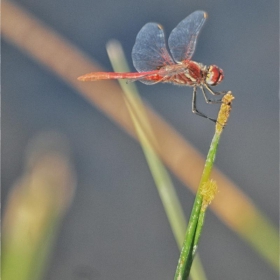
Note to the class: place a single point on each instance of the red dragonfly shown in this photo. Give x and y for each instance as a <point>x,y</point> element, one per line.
<point>154,63</point>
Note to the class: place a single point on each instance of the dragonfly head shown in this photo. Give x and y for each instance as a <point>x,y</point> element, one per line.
<point>214,75</point>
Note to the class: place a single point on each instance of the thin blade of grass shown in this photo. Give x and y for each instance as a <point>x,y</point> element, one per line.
<point>34,210</point>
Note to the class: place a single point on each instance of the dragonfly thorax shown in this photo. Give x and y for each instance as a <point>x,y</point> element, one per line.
<point>198,74</point>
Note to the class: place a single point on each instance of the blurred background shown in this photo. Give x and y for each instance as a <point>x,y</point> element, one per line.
<point>115,227</point>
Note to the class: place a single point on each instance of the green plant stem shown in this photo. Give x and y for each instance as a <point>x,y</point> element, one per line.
<point>195,224</point>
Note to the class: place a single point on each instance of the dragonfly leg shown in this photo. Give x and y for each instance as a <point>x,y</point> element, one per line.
<point>207,100</point>
<point>194,109</point>
<point>214,92</point>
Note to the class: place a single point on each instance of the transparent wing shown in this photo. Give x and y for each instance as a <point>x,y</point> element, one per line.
<point>182,39</point>
<point>149,51</point>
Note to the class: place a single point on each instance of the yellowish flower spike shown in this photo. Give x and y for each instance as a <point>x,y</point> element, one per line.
<point>208,192</point>
<point>224,112</point>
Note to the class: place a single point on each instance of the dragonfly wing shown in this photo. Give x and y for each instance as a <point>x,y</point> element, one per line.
<point>182,39</point>
<point>149,51</point>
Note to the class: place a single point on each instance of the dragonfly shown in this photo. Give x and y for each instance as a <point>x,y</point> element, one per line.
<point>155,64</point>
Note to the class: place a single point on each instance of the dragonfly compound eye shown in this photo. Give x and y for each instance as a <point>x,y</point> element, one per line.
<point>214,76</point>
